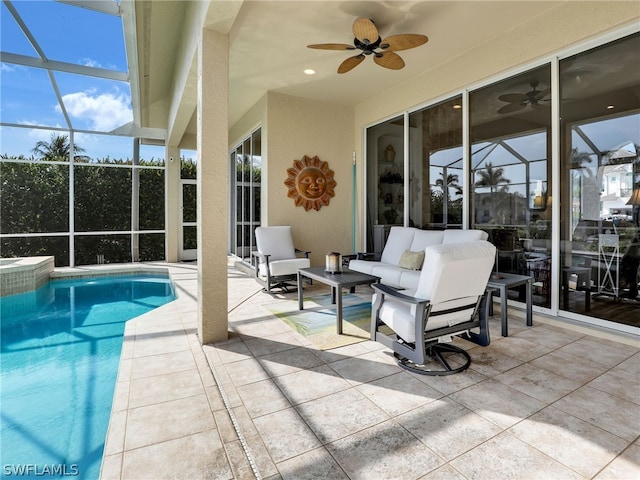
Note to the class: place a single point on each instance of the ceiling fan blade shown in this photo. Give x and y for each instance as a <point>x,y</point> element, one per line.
<point>404,41</point>
<point>332,46</point>
<point>539,106</point>
<point>365,31</point>
<point>350,63</point>
<point>512,107</point>
<point>539,95</point>
<point>513,97</point>
<point>389,59</point>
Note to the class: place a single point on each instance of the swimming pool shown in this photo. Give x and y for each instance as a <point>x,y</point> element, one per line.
<point>60,351</point>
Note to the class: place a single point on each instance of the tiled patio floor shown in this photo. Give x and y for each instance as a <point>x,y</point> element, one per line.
<point>544,403</point>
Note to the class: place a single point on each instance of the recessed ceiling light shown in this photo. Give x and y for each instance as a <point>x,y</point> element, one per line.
<point>457,106</point>
<point>309,71</point>
<point>610,107</point>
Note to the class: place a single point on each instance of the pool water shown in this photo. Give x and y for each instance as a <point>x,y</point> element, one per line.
<point>59,357</point>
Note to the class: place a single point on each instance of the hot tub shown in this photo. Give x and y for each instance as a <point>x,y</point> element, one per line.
<point>19,275</point>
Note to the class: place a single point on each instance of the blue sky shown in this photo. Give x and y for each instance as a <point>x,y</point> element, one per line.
<point>74,35</point>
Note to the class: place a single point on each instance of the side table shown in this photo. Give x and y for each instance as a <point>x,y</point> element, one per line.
<point>583,282</point>
<point>503,281</point>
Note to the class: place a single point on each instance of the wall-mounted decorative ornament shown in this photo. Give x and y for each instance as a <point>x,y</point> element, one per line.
<point>310,183</point>
<point>389,153</point>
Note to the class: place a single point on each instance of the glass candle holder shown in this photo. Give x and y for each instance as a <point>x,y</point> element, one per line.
<point>333,262</point>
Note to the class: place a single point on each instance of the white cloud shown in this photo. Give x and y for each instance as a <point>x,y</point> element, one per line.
<point>90,62</point>
<point>105,111</point>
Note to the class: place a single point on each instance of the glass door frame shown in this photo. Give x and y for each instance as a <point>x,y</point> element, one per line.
<point>192,253</point>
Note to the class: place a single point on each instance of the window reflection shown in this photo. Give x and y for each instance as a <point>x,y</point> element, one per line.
<point>510,125</point>
<point>600,128</point>
<point>436,182</point>
<point>385,181</point>
<point>510,179</point>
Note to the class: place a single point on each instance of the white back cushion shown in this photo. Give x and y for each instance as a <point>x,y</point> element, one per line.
<point>424,238</point>
<point>275,241</point>
<point>453,271</point>
<point>458,236</point>
<point>399,240</point>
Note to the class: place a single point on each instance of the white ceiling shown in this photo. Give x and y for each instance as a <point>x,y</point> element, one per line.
<point>268,46</point>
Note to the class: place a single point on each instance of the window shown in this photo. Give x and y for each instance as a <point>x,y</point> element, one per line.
<point>435,170</point>
<point>385,181</point>
<point>600,168</point>
<point>510,133</point>
<point>246,164</point>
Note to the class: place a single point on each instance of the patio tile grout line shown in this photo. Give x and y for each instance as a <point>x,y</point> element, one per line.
<point>227,405</point>
<point>234,422</point>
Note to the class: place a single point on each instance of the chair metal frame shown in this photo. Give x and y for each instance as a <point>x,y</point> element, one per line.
<point>275,281</point>
<point>414,356</point>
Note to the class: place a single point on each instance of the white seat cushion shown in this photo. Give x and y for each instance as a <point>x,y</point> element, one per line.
<point>401,316</point>
<point>276,242</point>
<point>363,266</point>
<point>459,236</point>
<point>455,270</point>
<point>425,238</point>
<point>409,278</point>
<point>284,267</point>
<point>399,240</point>
<point>389,274</point>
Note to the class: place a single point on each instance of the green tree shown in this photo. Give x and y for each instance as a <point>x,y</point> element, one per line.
<point>491,177</point>
<point>58,148</point>
<point>35,199</point>
<point>497,201</point>
<point>452,182</point>
<point>579,159</point>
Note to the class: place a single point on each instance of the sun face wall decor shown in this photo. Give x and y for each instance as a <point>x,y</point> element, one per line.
<point>310,183</point>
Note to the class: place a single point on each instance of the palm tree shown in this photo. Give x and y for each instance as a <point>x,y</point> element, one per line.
<point>452,182</point>
<point>491,177</point>
<point>57,148</point>
<point>578,159</point>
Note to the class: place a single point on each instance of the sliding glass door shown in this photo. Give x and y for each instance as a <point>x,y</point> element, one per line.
<point>510,152</point>
<point>510,145</point>
<point>600,182</point>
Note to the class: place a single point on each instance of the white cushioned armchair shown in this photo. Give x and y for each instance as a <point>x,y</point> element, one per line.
<point>277,261</point>
<point>449,301</point>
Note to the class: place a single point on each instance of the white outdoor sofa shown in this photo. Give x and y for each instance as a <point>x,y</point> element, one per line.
<point>403,254</point>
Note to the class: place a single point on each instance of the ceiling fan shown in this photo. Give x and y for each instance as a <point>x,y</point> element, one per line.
<point>518,101</point>
<point>369,42</point>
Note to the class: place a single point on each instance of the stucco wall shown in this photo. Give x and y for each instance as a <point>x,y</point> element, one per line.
<point>254,118</point>
<point>298,127</point>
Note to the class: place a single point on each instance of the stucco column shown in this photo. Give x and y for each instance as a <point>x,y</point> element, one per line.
<point>172,202</point>
<point>213,180</point>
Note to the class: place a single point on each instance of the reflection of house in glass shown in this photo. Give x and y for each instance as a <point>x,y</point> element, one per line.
<point>617,185</point>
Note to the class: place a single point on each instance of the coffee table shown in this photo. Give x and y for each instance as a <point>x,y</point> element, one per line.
<point>337,281</point>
